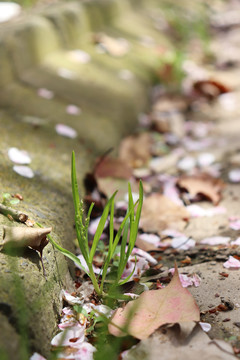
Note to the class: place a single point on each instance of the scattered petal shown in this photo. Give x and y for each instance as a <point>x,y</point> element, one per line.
<point>151,238</point>
<point>9,10</point>
<point>72,337</point>
<point>72,300</point>
<point>216,240</point>
<point>45,93</point>
<point>73,110</point>
<point>79,56</point>
<point>85,352</point>
<point>65,130</point>
<point>183,243</point>
<point>24,171</point>
<point>205,326</point>
<point>198,211</point>
<point>236,242</point>
<point>66,73</point>
<point>140,266</point>
<point>187,163</point>
<point>19,156</point>
<point>232,263</point>
<point>234,224</point>
<point>144,254</point>
<point>187,280</point>
<point>205,159</point>
<point>37,356</point>
<point>234,175</point>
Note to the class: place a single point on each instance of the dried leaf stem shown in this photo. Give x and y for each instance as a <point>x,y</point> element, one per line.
<point>15,214</point>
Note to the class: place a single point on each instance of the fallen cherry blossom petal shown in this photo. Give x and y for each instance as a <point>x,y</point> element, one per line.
<point>84,264</point>
<point>94,224</point>
<point>65,130</point>
<point>9,10</point>
<point>66,73</point>
<point>72,337</point>
<point>73,110</point>
<point>234,175</point>
<point>216,240</point>
<point>232,263</point>
<point>140,266</point>
<point>187,280</point>
<point>131,295</point>
<point>198,211</point>
<point>205,159</point>
<point>205,326</point>
<point>19,156</point>
<point>151,238</point>
<point>235,224</point>
<point>45,93</point>
<point>79,56</point>
<point>236,242</point>
<point>72,300</point>
<point>24,171</point>
<point>68,319</point>
<point>85,352</point>
<point>144,254</point>
<point>187,163</point>
<point>183,243</point>
<point>37,356</point>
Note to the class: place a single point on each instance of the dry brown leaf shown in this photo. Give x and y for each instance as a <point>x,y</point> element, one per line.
<point>135,150</point>
<point>202,184</point>
<point>169,342</point>
<point>210,89</point>
<point>159,213</point>
<point>110,167</point>
<point>155,308</point>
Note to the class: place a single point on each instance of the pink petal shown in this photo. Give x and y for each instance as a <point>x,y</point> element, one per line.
<point>19,156</point>
<point>37,356</point>
<point>216,240</point>
<point>65,130</point>
<point>144,254</point>
<point>73,110</point>
<point>236,242</point>
<point>205,326</point>
<point>24,171</point>
<point>45,93</point>
<point>187,280</point>
<point>72,337</point>
<point>232,263</point>
<point>234,175</point>
<point>235,224</point>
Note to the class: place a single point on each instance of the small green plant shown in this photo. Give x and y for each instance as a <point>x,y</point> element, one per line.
<point>127,233</point>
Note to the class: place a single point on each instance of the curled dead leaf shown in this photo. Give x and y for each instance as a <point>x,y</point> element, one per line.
<point>110,167</point>
<point>135,150</point>
<point>202,184</point>
<point>210,89</point>
<point>159,213</point>
<point>154,308</point>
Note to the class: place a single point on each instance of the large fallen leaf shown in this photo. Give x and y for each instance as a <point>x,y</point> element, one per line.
<point>154,308</point>
<point>172,344</point>
<point>110,167</point>
<point>202,184</point>
<point>159,213</point>
<point>135,150</point>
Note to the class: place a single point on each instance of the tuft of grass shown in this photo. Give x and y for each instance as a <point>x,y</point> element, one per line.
<point>127,233</point>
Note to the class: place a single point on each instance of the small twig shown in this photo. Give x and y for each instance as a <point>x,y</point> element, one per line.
<point>15,214</point>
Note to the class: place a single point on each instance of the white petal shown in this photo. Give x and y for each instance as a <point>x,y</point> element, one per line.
<point>19,156</point>
<point>45,93</point>
<point>73,110</point>
<point>65,130</point>
<point>25,171</point>
<point>8,10</point>
<point>205,326</point>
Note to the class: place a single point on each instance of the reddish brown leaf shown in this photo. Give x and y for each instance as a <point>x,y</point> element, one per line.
<point>210,89</point>
<point>153,308</point>
<point>202,184</point>
<point>109,167</point>
<point>159,212</point>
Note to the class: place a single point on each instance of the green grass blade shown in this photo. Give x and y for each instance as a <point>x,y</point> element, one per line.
<point>100,227</point>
